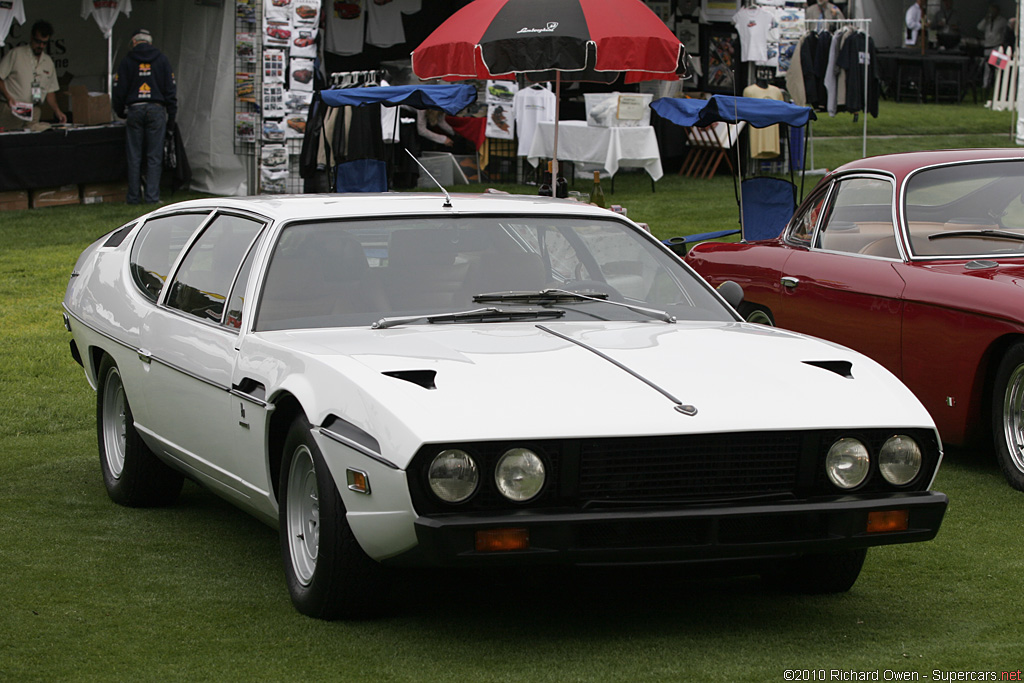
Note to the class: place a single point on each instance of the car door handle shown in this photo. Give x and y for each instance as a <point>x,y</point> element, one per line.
<point>790,282</point>
<point>145,356</point>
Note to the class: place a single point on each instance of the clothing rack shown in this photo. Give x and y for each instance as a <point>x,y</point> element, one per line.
<point>861,25</point>
<point>357,79</point>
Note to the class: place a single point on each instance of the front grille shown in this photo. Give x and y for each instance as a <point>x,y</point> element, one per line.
<point>696,467</point>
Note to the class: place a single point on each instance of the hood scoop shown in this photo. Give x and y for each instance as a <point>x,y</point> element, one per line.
<point>422,378</point>
<point>843,368</point>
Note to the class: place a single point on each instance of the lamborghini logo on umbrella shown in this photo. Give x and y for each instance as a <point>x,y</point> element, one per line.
<point>552,25</point>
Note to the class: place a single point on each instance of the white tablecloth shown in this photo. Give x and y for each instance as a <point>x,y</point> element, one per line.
<point>610,148</point>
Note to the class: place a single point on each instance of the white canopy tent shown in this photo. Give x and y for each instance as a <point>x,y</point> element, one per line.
<point>199,41</point>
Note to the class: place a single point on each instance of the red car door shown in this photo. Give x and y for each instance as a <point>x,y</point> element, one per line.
<point>845,286</point>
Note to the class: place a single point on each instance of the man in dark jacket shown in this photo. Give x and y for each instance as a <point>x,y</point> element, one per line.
<point>146,95</point>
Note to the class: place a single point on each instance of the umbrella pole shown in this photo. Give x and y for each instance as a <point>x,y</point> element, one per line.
<point>558,105</point>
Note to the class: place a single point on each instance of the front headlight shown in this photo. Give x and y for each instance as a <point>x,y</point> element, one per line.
<point>900,460</point>
<point>519,475</point>
<point>453,475</point>
<point>847,463</point>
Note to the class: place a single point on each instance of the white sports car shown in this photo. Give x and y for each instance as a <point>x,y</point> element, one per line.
<point>416,379</point>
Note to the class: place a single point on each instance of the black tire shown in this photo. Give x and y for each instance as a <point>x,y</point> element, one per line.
<point>816,574</point>
<point>1008,416</point>
<point>753,313</point>
<point>329,576</point>
<point>132,474</point>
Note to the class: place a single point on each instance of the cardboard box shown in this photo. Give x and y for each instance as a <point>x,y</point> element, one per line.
<point>104,193</point>
<point>13,200</point>
<point>89,107</point>
<point>55,196</point>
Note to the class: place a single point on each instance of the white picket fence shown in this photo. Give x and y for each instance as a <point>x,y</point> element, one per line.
<point>1004,94</point>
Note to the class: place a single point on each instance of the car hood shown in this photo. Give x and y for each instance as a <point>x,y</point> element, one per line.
<point>553,379</point>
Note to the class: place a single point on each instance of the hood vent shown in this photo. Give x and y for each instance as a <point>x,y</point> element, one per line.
<point>843,368</point>
<point>423,378</point>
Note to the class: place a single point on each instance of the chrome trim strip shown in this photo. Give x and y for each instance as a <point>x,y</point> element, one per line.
<point>680,406</point>
<point>250,398</point>
<point>334,436</point>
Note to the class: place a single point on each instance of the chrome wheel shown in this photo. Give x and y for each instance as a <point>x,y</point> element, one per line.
<point>302,515</point>
<point>114,423</point>
<point>1013,418</point>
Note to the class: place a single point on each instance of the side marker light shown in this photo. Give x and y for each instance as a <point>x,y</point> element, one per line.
<point>500,540</point>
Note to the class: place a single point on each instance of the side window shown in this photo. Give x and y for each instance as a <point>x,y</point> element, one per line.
<point>860,219</point>
<point>237,299</point>
<point>801,228</point>
<point>157,247</point>
<point>202,283</point>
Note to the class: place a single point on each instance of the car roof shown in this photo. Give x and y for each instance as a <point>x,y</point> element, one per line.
<point>904,163</point>
<point>362,205</point>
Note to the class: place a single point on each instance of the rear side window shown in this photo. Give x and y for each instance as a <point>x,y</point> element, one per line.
<point>157,247</point>
<point>202,283</point>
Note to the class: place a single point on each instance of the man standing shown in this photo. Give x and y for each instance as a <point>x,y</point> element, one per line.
<point>27,78</point>
<point>146,95</point>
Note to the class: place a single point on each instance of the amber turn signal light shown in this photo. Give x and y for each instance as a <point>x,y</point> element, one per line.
<point>882,521</point>
<point>498,540</point>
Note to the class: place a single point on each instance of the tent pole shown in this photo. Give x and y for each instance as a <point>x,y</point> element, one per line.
<point>110,66</point>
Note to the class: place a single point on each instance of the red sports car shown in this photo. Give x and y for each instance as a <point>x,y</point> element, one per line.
<point>916,260</point>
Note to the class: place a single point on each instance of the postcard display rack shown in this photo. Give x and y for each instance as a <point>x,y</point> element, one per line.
<point>275,48</point>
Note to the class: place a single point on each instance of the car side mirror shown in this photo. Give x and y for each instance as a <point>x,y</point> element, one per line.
<point>731,292</point>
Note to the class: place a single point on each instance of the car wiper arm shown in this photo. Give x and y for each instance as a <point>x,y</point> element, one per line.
<point>492,314</point>
<point>543,296</point>
<point>554,295</point>
<point>978,233</point>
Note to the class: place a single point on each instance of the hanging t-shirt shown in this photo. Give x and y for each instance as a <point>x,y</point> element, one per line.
<point>105,12</point>
<point>345,24</point>
<point>531,106</point>
<point>384,23</point>
<point>764,142</point>
<point>10,10</point>
<point>753,25</point>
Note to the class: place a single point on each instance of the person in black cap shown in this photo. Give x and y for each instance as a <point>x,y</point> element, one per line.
<point>145,93</point>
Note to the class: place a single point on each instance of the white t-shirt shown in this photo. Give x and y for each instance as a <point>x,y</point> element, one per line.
<point>345,24</point>
<point>9,11</point>
<point>531,106</point>
<point>384,23</point>
<point>913,24</point>
<point>105,12</point>
<point>753,25</point>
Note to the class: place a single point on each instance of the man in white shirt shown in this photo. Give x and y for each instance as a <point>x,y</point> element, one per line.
<point>915,21</point>
<point>27,78</point>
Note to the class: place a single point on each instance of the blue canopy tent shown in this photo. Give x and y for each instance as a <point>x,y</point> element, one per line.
<point>370,175</point>
<point>771,201</point>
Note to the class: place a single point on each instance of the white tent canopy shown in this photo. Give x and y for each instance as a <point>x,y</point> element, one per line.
<point>199,41</point>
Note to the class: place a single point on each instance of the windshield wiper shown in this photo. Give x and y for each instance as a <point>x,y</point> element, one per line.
<point>543,296</point>
<point>490,314</point>
<point>978,233</point>
<point>550,296</point>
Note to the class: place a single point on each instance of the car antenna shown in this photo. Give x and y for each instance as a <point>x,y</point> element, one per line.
<point>447,197</point>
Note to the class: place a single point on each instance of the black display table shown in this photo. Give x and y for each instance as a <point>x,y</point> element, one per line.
<point>72,156</point>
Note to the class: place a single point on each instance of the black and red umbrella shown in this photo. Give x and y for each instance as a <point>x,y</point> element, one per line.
<point>576,40</point>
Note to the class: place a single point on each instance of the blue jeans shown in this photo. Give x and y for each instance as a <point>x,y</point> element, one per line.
<point>147,124</point>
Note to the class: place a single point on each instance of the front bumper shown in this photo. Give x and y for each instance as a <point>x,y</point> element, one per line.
<point>694,534</point>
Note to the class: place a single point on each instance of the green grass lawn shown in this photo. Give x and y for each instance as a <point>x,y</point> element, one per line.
<point>94,591</point>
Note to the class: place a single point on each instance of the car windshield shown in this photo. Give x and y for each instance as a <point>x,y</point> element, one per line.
<point>967,210</point>
<point>358,272</point>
